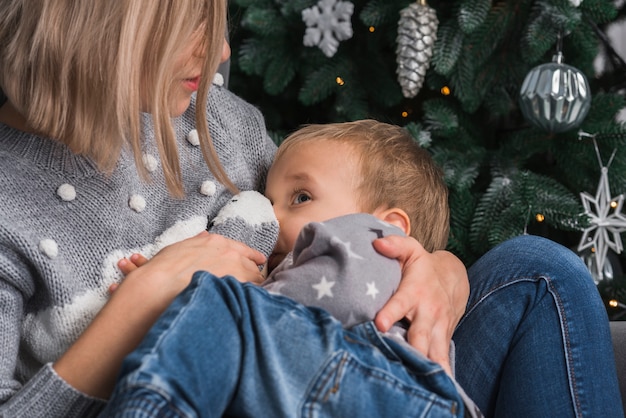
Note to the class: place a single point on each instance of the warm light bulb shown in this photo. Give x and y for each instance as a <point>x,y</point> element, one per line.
<point>340,81</point>
<point>540,218</point>
<point>445,90</point>
<point>613,303</point>
<point>405,114</point>
<point>614,204</point>
<point>372,29</point>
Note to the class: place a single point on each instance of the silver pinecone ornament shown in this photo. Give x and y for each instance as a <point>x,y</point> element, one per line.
<point>417,32</point>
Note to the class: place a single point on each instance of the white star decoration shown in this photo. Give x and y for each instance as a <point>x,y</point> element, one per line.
<point>324,288</point>
<point>371,290</point>
<point>607,222</point>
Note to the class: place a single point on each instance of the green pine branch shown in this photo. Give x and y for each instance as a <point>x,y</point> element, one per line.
<point>501,171</point>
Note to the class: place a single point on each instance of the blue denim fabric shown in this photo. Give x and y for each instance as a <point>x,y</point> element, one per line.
<point>535,341</point>
<point>229,349</point>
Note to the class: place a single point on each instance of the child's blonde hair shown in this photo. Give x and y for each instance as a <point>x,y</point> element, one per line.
<point>395,172</point>
<point>75,69</point>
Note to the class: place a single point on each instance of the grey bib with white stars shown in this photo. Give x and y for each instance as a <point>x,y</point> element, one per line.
<point>334,266</point>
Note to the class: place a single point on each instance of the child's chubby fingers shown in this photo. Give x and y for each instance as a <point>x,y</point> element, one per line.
<point>128,265</point>
<point>138,259</point>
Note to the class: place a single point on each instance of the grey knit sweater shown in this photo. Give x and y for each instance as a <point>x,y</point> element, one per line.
<point>64,225</point>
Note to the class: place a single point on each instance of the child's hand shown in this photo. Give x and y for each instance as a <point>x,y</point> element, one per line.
<point>126,265</point>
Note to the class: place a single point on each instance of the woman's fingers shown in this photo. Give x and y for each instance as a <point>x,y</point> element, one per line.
<point>432,296</point>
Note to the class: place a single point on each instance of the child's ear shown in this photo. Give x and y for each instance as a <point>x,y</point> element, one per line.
<point>395,216</point>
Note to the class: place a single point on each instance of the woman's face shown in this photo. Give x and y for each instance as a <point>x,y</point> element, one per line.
<point>188,71</point>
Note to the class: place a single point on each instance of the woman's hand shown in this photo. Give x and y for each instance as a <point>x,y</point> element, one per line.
<point>136,260</point>
<point>209,252</point>
<point>91,364</point>
<point>432,295</point>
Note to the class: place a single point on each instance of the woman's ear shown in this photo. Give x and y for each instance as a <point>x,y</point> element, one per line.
<point>395,216</point>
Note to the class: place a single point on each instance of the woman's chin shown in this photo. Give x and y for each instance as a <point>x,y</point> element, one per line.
<point>180,107</point>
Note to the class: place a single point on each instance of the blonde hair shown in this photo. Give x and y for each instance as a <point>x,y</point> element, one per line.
<point>395,172</point>
<point>76,70</point>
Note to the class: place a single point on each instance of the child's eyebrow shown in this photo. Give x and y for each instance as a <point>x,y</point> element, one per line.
<point>299,176</point>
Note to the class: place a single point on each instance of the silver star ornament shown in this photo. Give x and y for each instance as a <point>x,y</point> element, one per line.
<point>607,222</point>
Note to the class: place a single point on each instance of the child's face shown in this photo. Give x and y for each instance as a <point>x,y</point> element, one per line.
<point>312,182</point>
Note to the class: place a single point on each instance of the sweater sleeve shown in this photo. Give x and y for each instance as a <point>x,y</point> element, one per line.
<point>45,394</point>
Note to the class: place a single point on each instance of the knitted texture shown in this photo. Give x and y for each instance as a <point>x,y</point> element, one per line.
<point>248,218</point>
<point>64,226</point>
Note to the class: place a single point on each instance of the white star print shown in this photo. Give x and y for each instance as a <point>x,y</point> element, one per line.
<point>347,245</point>
<point>606,223</point>
<point>371,290</point>
<point>324,288</point>
<point>276,287</point>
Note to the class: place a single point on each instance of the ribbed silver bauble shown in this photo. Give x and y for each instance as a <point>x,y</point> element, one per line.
<point>555,96</point>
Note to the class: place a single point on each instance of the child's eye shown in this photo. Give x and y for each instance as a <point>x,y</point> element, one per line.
<point>301,198</point>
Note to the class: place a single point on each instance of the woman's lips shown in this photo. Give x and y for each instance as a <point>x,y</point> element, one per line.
<point>192,83</point>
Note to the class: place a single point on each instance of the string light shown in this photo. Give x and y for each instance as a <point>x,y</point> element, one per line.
<point>405,114</point>
<point>445,90</point>
<point>614,303</point>
<point>340,81</point>
<point>372,29</point>
<point>614,204</point>
<point>540,218</point>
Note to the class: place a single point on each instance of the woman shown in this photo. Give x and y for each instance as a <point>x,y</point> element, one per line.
<point>91,179</point>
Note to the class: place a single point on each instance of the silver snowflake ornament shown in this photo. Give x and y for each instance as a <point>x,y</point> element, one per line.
<point>607,222</point>
<point>328,23</point>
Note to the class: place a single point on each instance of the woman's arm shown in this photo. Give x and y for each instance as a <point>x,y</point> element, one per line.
<point>432,295</point>
<point>91,364</point>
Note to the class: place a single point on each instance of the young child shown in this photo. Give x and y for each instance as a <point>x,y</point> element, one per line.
<point>334,189</point>
<point>325,171</point>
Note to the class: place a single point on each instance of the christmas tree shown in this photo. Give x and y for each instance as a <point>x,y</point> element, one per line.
<point>452,72</point>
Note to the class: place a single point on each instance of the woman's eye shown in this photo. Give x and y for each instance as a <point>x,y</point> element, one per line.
<point>301,198</point>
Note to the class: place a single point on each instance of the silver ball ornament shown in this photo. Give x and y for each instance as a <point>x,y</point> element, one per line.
<point>555,96</point>
<point>610,269</point>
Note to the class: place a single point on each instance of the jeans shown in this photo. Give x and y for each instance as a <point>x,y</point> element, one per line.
<point>535,339</point>
<point>534,342</point>
<point>229,349</point>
